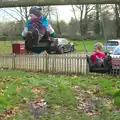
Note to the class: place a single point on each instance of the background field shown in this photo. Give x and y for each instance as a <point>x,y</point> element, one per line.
<point>6,46</point>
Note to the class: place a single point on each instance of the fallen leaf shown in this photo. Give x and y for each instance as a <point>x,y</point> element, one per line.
<point>36,90</point>
<point>42,92</point>
<point>113,85</point>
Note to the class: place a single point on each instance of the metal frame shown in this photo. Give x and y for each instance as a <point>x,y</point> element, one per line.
<point>24,3</point>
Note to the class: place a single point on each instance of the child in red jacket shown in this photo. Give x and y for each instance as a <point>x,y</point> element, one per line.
<point>97,58</point>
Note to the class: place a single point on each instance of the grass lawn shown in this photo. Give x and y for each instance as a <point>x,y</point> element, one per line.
<point>89,45</point>
<point>6,47</point>
<point>26,96</point>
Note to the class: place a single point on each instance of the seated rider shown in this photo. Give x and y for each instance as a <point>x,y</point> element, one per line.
<point>97,58</point>
<point>35,16</point>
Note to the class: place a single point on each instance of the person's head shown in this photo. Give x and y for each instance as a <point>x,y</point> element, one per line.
<point>98,47</point>
<point>35,12</point>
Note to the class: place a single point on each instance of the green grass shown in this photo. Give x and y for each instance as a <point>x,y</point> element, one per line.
<point>6,47</point>
<point>12,73</point>
<point>15,87</point>
<point>89,45</point>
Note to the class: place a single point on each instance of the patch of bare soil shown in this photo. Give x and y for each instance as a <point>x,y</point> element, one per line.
<point>38,108</point>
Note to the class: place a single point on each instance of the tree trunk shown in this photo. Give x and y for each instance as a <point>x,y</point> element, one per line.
<point>85,25</point>
<point>58,25</point>
<point>97,21</point>
<point>49,15</point>
<point>81,19</point>
<point>26,13</point>
<point>117,17</point>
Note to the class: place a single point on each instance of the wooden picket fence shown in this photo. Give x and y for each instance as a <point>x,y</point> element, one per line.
<point>115,65</point>
<point>60,64</point>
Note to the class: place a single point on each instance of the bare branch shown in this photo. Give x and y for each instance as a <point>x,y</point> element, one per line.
<point>10,14</point>
<point>93,8</point>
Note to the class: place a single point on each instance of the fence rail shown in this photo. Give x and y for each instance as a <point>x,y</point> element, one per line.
<point>64,64</point>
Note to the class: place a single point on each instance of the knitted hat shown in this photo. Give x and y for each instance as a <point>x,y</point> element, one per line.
<point>35,11</point>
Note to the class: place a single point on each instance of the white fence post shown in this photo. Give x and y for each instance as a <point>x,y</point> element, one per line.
<point>47,63</point>
<point>13,61</point>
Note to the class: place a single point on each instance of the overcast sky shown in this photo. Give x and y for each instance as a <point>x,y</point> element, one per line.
<point>64,12</point>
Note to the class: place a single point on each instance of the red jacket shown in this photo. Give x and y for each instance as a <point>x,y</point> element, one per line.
<point>99,55</point>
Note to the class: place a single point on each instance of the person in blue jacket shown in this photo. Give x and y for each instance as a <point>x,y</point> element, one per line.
<point>35,13</point>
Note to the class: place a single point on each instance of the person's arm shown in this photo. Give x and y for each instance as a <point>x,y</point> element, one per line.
<point>51,31</point>
<point>26,28</point>
<point>24,32</point>
<point>45,22</point>
<point>48,27</point>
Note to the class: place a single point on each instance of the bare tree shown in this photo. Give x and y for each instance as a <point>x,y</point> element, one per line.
<point>54,11</point>
<point>58,24</point>
<point>84,11</point>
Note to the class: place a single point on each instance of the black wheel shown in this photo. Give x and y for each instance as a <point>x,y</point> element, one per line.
<point>61,50</point>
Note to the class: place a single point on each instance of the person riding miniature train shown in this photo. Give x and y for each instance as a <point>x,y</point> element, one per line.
<point>37,27</point>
